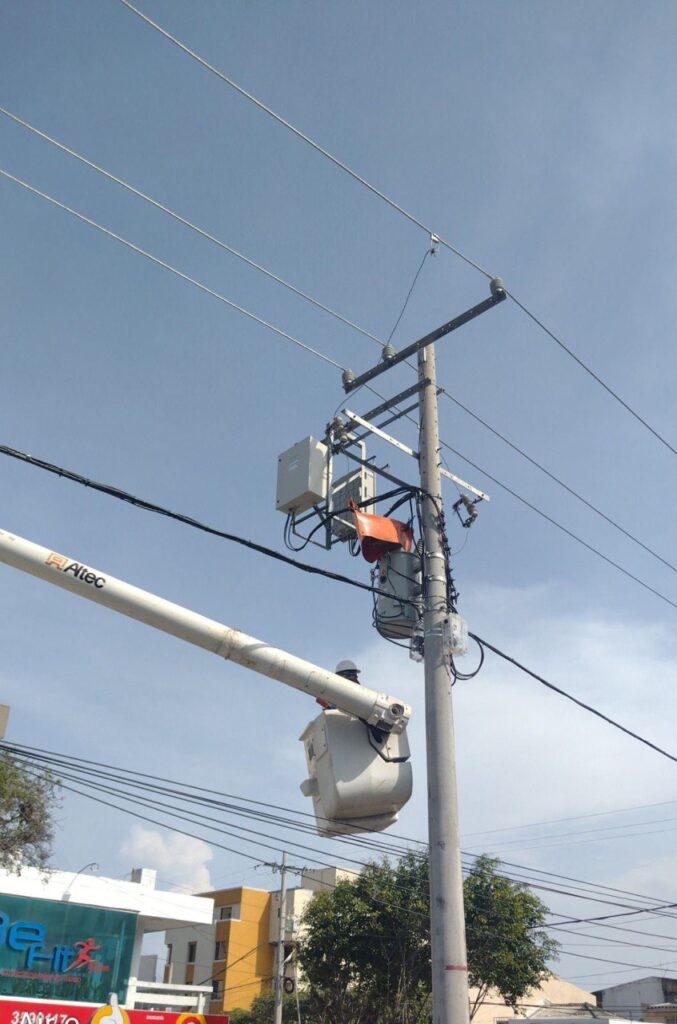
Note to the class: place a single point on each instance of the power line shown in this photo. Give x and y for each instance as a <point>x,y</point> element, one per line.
<point>343,319</point>
<point>148,506</point>
<point>301,135</point>
<point>390,202</point>
<point>167,808</point>
<point>332,362</point>
<point>559,481</point>
<point>171,269</point>
<point>586,832</point>
<point>574,700</point>
<point>128,777</point>
<point>588,370</point>
<point>573,817</point>
<point>189,224</point>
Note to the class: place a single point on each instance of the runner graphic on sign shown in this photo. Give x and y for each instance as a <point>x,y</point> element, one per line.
<point>83,957</point>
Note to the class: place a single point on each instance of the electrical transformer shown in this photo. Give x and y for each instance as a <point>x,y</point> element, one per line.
<point>399,574</point>
<point>359,778</point>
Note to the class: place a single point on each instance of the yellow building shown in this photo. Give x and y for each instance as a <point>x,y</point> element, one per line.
<point>236,953</point>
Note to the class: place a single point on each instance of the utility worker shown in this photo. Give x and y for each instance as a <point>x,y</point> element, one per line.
<point>347,669</point>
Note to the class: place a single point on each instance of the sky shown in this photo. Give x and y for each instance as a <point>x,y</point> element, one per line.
<point>537,138</point>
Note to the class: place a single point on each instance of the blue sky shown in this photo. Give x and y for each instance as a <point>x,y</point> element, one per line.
<point>539,139</point>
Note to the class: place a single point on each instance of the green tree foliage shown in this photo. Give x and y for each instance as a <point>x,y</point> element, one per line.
<point>261,1010</point>
<point>508,946</point>
<point>366,950</point>
<point>27,801</point>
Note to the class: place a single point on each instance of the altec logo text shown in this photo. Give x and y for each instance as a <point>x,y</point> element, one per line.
<point>30,938</point>
<point>79,571</point>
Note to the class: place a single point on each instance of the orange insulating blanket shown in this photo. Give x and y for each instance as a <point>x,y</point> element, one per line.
<point>377,535</point>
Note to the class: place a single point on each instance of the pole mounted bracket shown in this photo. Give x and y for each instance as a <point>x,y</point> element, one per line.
<point>498,294</point>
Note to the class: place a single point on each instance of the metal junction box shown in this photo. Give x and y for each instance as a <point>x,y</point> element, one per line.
<point>358,485</point>
<point>301,477</point>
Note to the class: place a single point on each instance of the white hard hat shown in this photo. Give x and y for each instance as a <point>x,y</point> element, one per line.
<point>346,666</point>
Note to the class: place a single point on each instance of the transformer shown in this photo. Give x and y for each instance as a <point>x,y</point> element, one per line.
<point>399,574</point>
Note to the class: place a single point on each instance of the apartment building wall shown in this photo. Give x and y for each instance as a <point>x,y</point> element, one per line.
<point>237,951</point>
<point>234,953</point>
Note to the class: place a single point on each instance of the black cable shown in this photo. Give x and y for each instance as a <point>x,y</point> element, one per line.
<point>47,755</point>
<point>409,293</point>
<point>116,492</point>
<point>174,791</point>
<point>574,700</point>
<point>476,671</point>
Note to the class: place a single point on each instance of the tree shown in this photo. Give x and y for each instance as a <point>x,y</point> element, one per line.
<point>508,946</point>
<point>261,1010</point>
<point>27,801</point>
<point>366,948</point>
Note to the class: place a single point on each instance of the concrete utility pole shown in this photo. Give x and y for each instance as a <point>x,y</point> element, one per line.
<point>279,964</point>
<point>447,922</point>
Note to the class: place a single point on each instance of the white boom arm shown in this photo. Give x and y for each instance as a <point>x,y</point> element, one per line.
<point>378,709</point>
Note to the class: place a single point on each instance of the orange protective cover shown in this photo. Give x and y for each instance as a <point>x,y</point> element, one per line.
<point>377,534</point>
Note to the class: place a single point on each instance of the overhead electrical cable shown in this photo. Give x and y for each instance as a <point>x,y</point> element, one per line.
<point>101,776</point>
<point>570,490</point>
<point>120,495</point>
<point>431,232</point>
<point>575,700</point>
<point>183,831</point>
<point>85,764</point>
<point>571,817</point>
<point>82,768</point>
<point>343,319</point>
<point>301,135</point>
<point>189,224</point>
<point>173,270</point>
<point>583,832</point>
<point>332,362</point>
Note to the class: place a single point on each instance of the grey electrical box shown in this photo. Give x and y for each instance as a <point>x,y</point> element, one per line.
<point>301,477</point>
<point>358,485</point>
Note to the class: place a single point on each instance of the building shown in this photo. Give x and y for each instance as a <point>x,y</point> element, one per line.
<point>74,938</point>
<point>651,999</point>
<point>573,1013</point>
<point>554,992</point>
<point>235,953</point>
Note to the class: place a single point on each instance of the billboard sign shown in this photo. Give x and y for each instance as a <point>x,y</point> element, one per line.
<point>27,1011</point>
<point>56,950</point>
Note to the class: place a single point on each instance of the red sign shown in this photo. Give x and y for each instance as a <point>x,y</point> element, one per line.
<point>35,1011</point>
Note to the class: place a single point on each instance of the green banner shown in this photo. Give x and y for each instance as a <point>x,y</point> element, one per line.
<point>60,950</point>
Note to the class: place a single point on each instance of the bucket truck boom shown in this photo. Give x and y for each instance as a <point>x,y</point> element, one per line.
<point>377,709</point>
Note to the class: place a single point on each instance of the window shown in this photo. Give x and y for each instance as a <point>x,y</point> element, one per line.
<point>228,913</point>
<point>169,953</point>
<point>219,951</point>
<point>217,989</point>
<point>190,954</point>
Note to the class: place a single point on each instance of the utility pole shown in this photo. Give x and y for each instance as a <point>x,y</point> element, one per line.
<point>447,921</point>
<point>279,964</point>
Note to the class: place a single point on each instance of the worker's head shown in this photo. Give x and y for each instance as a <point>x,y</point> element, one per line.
<point>349,670</point>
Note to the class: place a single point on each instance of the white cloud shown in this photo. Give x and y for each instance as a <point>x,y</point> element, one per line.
<point>526,754</point>
<point>180,861</point>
